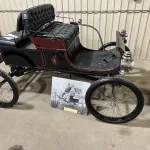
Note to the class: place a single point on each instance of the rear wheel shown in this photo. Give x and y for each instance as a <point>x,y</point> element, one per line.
<point>114,100</point>
<point>111,45</point>
<point>9,93</point>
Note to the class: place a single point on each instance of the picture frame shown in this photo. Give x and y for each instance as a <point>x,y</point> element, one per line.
<point>69,95</point>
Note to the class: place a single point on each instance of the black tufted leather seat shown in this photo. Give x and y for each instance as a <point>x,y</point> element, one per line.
<point>20,25</point>
<point>39,21</point>
<point>35,17</point>
<point>59,30</point>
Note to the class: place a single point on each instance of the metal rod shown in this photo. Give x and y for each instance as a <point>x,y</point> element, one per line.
<point>5,30</point>
<point>146,25</point>
<point>65,17</point>
<point>75,9</point>
<point>106,24</point>
<point>100,21</point>
<point>131,25</point>
<point>125,27</point>
<point>21,5</point>
<point>148,49</point>
<point>68,9</point>
<point>32,3</point>
<point>93,26</point>
<point>62,9</point>
<point>87,24</point>
<point>56,5</point>
<point>120,14</point>
<point>7,26</point>
<point>27,3</point>
<point>81,19</point>
<point>112,22</point>
<point>12,13</point>
<point>138,31</point>
<point>90,12</point>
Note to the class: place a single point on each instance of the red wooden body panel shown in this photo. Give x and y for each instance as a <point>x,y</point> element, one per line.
<point>48,43</point>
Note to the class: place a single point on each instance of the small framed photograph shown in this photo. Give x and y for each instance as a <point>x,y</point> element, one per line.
<point>69,95</point>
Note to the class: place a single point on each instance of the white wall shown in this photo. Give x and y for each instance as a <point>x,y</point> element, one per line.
<point>108,16</point>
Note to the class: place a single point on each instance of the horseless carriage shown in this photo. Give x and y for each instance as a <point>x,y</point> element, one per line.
<point>40,43</point>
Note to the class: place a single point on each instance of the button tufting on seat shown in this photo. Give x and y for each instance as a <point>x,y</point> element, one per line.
<point>35,17</point>
<point>59,30</point>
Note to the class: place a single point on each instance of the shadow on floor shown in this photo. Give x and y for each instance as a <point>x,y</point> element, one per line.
<point>40,85</point>
<point>16,147</point>
<point>139,123</point>
<point>22,106</point>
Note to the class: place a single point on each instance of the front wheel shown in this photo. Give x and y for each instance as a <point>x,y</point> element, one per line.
<point>114,100</point>
<point>8,91</point>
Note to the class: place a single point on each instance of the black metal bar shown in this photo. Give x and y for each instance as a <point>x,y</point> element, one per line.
<point>125,27</point>
<point>89,12</point>
<point>119,15</point>
<point>106,24</point>
<point>100,22</point>
<point>146,25</point>
<point>136,38</point>
<point>87,28</point>
<point>93,25</point>
<point>129,38</point>
<point>112,22</point>
<point>62,6</point>
<point>85,77</point>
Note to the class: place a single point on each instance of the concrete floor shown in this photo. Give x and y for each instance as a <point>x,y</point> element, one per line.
<point>33,125</point>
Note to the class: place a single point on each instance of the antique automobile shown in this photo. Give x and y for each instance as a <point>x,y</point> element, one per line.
<point>41,43</point>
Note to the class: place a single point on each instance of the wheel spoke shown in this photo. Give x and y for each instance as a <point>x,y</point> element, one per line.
<point>120,110</point>
<point>114,101</point>
<point>122,94</point>
<point>126,99</point>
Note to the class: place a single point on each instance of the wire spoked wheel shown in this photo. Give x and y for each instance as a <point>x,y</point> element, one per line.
<point>114,100</point>
<point>8,91</point>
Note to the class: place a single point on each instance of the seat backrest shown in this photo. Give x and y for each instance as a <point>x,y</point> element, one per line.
<point>35,17</point>
<point>19,23</point>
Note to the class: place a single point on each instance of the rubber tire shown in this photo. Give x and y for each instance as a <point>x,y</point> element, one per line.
<point>134,88</point>
<point>112,44</point>
<point>15,90</point>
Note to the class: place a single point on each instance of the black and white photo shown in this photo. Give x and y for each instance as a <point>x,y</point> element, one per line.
<point>67,93</point>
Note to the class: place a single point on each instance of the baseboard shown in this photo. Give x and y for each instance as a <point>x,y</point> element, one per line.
<point>142,63</point>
